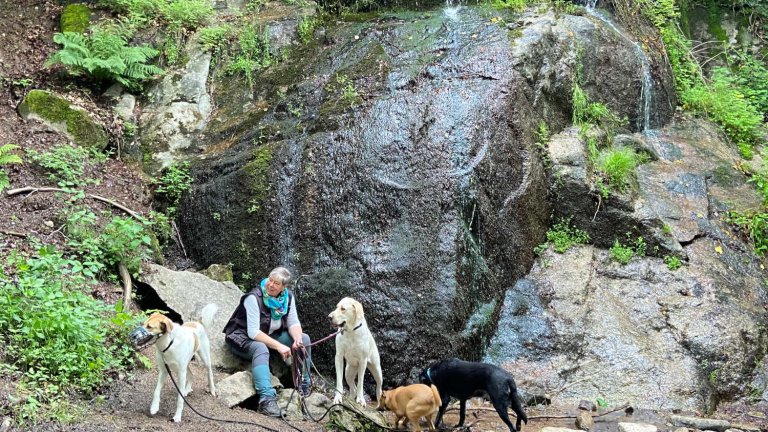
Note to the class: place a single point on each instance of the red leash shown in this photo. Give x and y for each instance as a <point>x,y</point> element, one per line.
<point>299,364</point>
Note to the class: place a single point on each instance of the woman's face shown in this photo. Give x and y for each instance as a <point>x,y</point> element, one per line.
<point>274,288</point>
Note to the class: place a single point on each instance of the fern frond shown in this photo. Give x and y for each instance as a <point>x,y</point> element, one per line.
<point>4,180</point>
<point>6,157</point>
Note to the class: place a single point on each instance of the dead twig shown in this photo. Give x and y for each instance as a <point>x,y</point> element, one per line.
<point>32,189</point>
<point>13,233</point>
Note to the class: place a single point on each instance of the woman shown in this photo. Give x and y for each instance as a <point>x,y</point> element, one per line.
<point>266,319</point>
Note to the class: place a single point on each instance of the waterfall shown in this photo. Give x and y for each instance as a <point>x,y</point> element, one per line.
<point>286,208</point>
<point>646,91</point>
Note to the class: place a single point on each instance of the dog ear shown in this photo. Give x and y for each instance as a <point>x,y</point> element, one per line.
<point>166,326</point>
<point>358,310</point>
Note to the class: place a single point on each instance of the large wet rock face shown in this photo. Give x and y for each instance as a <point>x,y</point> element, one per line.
<point>392,161</point>
<point>580,324</point>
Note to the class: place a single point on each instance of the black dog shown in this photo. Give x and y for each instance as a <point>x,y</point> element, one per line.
<point>463,380</point>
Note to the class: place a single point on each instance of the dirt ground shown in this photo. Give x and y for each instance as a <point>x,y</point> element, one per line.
<point>26,31</point>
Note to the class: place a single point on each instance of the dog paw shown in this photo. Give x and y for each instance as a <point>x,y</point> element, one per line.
<point>154,409</point>
<point>177,419</point>
<point>337,399</point>
<point>361,401</point>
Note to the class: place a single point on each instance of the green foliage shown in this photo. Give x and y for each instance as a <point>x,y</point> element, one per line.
<point>186,14</point>
<point>174,182</point>
<point>66,164</point>
<point>673,263</point>
<point>750,76</point>
<point>174,14</point>
<point>56,336</point>
<point>349,92</point>
<point>729,108</point>
<point>306,28</point>
<point>617,166</point>
<point>125,240</point>
<point>252,52</point>
<point>105,56</point>
<point>515,5</point>
<point>121,240</point>
<point>562,236</point>
<point>7,157</point>
<point>215,39</point>
<point>579,102</point>
<point>754,225</point>
<point>623,253</point>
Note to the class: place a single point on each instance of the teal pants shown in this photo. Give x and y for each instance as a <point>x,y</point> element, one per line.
<point>258,354</point>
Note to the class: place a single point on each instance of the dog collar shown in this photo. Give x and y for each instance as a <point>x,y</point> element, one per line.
<point>169,345</point>
<point>358,326</point>
<point>429,377</point>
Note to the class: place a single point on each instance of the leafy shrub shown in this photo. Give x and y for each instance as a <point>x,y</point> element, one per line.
<point>66,164</point>
<point>306,28</point>
<point>750,76</point>
<point>7,158</point>
<point>623,253</point>
<point>754,225</point>
<point>174,182</point>
<point>252,52</point>
<point>563,236</point>
<point>175,14</point>
<point>54,334</point>
<point>729,108</point>
<point>214,39</point>
<point>515,5</point>
<point>105,56</point>
<point>121,240</point>
<point>188,14</point>
<point>125,240</point>
<point>673,263</point>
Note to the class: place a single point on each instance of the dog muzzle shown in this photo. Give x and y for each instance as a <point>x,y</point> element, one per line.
<point>141,336</point>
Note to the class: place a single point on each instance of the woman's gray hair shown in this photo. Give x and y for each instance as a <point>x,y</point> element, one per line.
<point>281,274</point>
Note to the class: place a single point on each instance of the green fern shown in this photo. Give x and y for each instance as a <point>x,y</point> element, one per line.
<point>7,158</point>
<point>105,56</point>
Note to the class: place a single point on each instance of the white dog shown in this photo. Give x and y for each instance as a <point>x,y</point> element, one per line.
<point>355,344</point>
<point>176,345</point>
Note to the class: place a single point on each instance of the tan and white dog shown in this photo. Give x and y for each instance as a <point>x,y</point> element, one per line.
<point>175,346</point>
<point>355,345</point>
<point>411,403</point>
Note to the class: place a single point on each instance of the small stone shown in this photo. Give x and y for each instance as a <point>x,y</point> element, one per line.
<point>6,424</point>
<point>49,224</point>
<point>636,427</point>
<point>584,421</point>
<point>700,423</point>
<point>587,405</point>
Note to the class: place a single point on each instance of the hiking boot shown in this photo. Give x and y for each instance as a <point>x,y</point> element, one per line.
<point>306,388</point>
<point>269,407</point>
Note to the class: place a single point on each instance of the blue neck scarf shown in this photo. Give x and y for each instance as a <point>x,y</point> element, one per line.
<point>277,306</point>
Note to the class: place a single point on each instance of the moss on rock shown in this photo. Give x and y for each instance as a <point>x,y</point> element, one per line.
<point>58,113</point>
<point>259,175</point>
<point>75,18</point>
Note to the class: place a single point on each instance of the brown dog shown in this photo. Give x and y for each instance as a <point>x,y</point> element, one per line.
<point>412,403</point>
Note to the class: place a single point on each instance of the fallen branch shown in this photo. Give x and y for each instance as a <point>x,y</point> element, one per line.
<point>13,233</point>
<point>33,189</point>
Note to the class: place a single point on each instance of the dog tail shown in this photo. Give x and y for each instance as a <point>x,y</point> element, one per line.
<point>436,395</point>
<point>206,315</point>
<point>517,406</point>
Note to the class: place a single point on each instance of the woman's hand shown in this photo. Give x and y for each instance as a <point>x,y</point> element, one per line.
<point>297,345</point>
<point>284,351</point>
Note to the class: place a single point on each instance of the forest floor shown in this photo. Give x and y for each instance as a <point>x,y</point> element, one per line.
<point>26,29</point>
